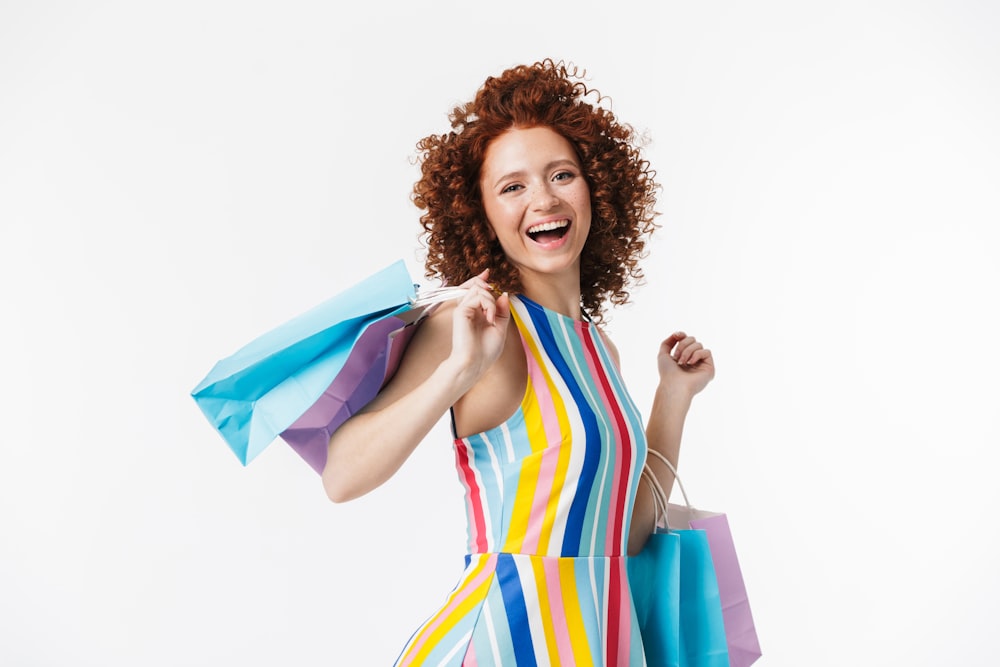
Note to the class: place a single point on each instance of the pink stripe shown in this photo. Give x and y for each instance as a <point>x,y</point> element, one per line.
<point>547,406</point>
<point>547,467</point>
<point>540,501</point>
<point>465,588</point>
<point>474,504</point>
<point>596,371</point>
<point>470,657</point>
<point>559,624</point>
<point>624,460</point>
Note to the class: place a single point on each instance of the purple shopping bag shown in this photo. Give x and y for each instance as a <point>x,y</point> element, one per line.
<point>304,378</point>
<point>741,633</point>
<point>371,363</point>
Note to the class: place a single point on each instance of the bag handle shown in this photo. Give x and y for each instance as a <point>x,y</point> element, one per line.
<point>660,497</point>
<point>435,295</point>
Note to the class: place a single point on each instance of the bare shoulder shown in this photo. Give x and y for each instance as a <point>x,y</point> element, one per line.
<point>496,396</point>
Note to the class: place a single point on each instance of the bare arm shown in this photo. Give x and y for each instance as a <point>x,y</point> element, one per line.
<point>447,355</point>
<point>685,369</point>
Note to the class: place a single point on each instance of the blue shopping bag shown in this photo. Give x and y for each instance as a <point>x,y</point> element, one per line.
<point>654,576</point>
<point>262,389</point>
<point>675,590</point>
<point>676,598</point>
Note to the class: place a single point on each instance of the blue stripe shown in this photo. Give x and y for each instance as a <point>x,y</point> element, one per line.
<point>517,611</point>
<point>592,448</point>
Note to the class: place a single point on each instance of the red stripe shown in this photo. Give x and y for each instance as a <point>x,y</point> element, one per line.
<point>614,616</point>
<point>624,448</point>
<point>474,499</point>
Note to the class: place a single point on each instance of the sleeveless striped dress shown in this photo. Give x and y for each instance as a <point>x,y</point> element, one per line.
<point>549,498</point>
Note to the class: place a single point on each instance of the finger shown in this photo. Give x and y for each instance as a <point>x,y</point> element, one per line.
<point>481,299</point>
<point>474,290</point>
<point>700,356</point>
<point>481,280</point>
<point>689,350</point>
<point>503,308</point>
<point>681,346</point>
<point>489,307</point>
<point>476,282</point>
<point>474,298</point>
<point>668,344</point>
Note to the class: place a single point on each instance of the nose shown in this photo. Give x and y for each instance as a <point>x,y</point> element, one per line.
<point>543,198</point>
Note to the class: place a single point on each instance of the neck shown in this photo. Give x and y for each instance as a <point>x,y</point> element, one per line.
<point>561,295</point>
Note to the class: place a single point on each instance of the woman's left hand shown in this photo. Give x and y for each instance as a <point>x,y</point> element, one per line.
<point>685,364</point>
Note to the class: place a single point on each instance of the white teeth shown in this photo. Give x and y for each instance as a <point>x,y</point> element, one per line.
<point>548,226</point>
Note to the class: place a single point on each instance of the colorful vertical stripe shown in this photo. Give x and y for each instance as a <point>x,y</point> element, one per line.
<point>549,495</point>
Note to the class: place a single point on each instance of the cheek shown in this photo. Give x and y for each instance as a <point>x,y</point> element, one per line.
<point>488,217</point>
<point>497,218</point>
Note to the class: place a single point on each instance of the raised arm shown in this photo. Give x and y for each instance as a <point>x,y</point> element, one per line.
<point>685,368</point>
<point>448,354</point>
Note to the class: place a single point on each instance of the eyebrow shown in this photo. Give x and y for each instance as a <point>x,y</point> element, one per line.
<point>548,167</point>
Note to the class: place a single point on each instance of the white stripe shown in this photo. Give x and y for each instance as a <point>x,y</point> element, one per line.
<point>462,643</point>
<point>597,608</point>
<point>605,465</point>
<point>507,441</point>
<point>527,575</point>
<point>498,482</point>
<point>491,631</point>
<point>571,480</point>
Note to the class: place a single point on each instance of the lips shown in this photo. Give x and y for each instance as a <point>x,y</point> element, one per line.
<point>548,231</point>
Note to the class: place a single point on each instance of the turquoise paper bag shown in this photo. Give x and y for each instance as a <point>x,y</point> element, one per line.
<point>676,598</point>
<point>262,389</point>
<point>654,576</point>
<point>675,591</point>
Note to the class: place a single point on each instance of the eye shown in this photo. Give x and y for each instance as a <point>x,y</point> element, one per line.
<point>513,187</point>
<point>563,176</point>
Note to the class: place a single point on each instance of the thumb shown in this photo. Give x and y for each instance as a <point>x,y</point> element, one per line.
<point>503,308</point>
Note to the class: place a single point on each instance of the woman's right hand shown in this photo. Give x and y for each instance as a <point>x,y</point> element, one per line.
<point>479,329</point>
<point>443,361</point>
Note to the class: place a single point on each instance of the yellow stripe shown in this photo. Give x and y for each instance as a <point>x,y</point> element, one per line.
<point>537,428</point>
<point>540,443</point>
<point>545,610</point>
<point>558,481</point>
<point>474,598</point>
<point>527,483</point>
<point>574,620</point>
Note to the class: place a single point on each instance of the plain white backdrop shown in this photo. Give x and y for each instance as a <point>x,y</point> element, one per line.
<point>177,178</point>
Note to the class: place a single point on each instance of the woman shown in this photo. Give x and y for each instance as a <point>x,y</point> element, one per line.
<point>544,198</point>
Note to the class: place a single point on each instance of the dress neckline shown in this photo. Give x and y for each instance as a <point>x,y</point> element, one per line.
<point>585,322</point>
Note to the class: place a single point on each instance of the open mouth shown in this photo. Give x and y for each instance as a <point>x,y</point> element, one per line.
<point>548,232</point>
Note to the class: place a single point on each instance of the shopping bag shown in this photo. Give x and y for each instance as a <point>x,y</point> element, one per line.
<point>741,633</point>
<point>338,354</point>
<point>676,599</point>
<point>654,576</point>
<point>372,360</point>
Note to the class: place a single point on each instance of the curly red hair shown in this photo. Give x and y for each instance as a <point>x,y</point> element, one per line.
<point>622,186</point>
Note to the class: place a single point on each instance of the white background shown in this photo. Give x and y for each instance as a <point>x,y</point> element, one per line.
<point>176,178</point>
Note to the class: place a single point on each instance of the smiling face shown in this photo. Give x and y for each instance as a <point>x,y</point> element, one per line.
<point>537,202</point>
